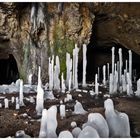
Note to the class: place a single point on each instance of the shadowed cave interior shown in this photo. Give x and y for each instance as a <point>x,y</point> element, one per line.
<point>8,69</point>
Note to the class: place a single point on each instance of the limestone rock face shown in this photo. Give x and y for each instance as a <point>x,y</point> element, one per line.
<point>34,31</point>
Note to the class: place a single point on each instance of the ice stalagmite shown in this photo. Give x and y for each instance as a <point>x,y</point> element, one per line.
<point>113,59</point>
<point>129,85</point>
<point>78,108</point>
<point>56,74</point>
<point>96,85</point>
<point>76,131</point>
<point>84,65</point>
<point>69,70</point>
<point>130,64</point>
<point>21,103</point>
<point>118,122</point>
<point>62,83</point>
<point>52,122</point>
<point>40,95</point>
<point>97,121</point>
<point>138,88</point>
<point>43,126</point>
<point>124,84</point>
<point>108,71</point>
<point>104,75</point>
<point>51,72</point>
<point>30,79</point>
<point>62,111</point>
<point>65,134</point>
<point>111,84</point>
<point>120,65</point>
<point>88,132</point>
<point>6,103</point>
<point>75,67</point>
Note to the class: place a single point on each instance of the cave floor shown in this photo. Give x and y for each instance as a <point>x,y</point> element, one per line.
<point>12,120</point>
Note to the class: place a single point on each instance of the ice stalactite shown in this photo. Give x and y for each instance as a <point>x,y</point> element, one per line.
<point>84,65</point>
<point>37,15</point>
<point>33,16</point>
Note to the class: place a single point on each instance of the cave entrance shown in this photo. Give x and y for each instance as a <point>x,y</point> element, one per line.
<point>8,69</point>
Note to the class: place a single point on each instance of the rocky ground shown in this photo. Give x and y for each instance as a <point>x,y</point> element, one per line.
<point>12,120</point>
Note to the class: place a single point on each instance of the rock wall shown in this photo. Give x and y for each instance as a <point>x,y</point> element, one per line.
<point>34,31</point>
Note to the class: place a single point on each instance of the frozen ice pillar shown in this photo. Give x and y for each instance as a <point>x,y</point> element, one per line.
<point>40,95</point>
<point>84,65</point>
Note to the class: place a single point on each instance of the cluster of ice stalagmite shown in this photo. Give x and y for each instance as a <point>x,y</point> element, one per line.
<point>118,80</point>
<point>118,122</point>
<point>40,94</point>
